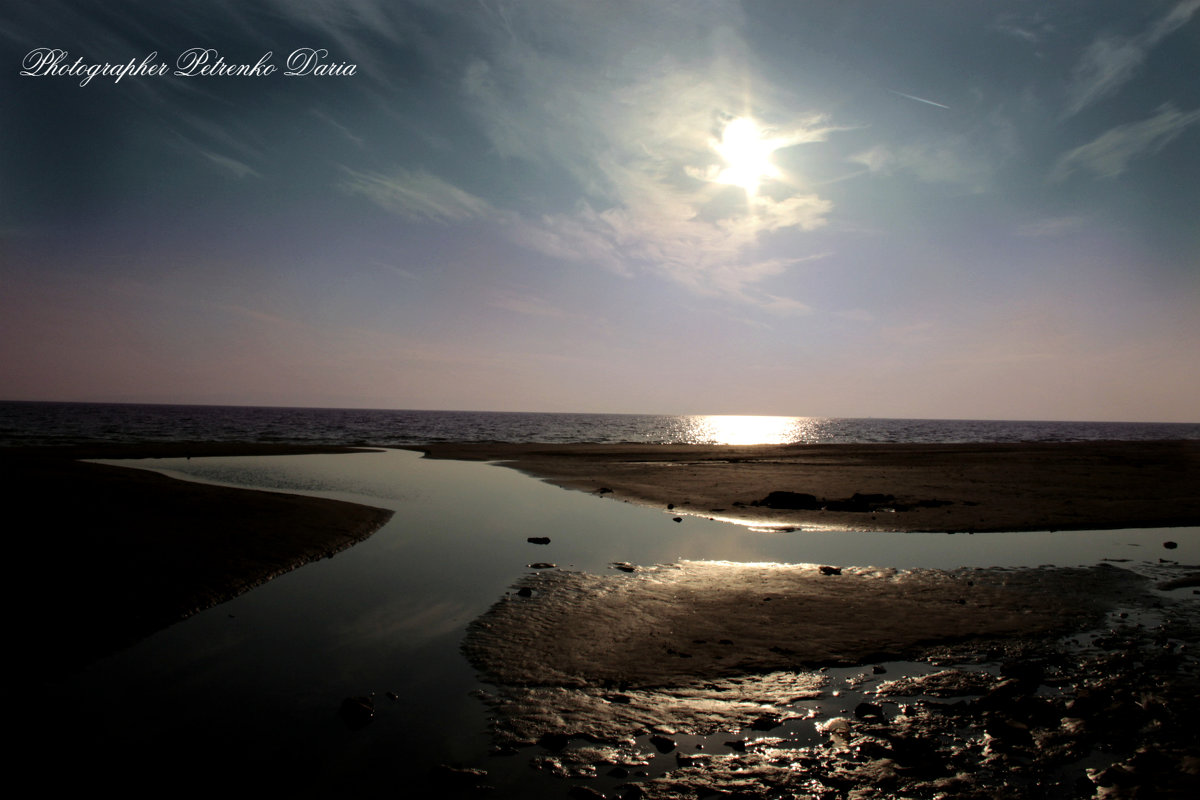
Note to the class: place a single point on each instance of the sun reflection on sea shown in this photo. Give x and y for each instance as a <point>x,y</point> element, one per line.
<point>734,429</point>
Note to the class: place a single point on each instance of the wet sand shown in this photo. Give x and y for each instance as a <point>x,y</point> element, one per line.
<point>666,625</point>
<point>117,553</point>
<point>901,487</point>
<point>700,679</point>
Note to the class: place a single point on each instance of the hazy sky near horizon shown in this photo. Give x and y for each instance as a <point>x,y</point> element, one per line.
<point>920,209</point>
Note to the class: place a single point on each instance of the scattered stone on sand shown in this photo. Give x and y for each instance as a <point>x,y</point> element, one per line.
<point>1016,707</point>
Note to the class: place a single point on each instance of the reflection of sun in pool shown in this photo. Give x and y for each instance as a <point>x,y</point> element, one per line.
<point>747,155</point>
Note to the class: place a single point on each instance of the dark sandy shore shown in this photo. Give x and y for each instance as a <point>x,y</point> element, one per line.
<point>903,487</point>
<point>114,554</point>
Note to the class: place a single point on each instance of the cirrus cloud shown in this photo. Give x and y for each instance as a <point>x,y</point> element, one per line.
<point>1109,154</point>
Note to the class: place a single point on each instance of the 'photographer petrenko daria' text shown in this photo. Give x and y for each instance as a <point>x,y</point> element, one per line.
<point>196,62</point>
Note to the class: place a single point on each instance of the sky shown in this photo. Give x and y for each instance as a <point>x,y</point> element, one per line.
<point>799,207</point>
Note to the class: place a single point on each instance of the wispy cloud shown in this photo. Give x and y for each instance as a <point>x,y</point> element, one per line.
<point>231,165</point>
<point>257,315</point>
<point>784,305</point>
<point>416,195</point>
<point>1108,155</point>
<point>950,160</point>
<point>349,135</point>
<point>397,270</point>
<point>528,304</point>
<point>1052,226</point>
<point>1111,61</point>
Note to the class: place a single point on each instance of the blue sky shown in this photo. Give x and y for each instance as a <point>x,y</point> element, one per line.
<point>894,209</point>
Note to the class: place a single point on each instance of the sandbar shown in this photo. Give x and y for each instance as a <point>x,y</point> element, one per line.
<point>901,487</point>
<point>117,553</point>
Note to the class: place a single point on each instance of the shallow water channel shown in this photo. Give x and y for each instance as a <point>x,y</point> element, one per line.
<point>247,694</point>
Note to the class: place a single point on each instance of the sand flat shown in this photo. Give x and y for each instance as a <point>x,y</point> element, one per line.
<point>936,487</point>
<point>667,625</point>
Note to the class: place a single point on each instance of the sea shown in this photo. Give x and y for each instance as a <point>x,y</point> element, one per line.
<point>53,423</point>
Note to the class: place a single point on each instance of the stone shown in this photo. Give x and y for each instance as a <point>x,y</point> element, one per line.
<point>766,722</point>
<point>554,741</point>
<point>869,711</point>
<point>790,500</point>
<point>663,744</point>
<point>357,712</point>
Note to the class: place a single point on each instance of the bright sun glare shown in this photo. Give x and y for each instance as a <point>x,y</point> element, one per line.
<point>747,155</point>
<point>732,429</point>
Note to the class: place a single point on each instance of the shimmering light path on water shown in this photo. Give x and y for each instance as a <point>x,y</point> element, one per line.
<point>69,423</point>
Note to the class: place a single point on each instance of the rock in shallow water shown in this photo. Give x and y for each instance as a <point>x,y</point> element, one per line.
<point>357,712</point>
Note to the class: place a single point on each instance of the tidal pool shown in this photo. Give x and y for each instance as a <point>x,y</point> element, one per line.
<point>247,694</point>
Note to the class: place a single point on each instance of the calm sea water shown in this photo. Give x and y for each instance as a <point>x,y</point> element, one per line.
<point>69,423</point>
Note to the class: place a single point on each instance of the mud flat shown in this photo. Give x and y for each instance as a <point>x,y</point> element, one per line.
<point>703,679</point>
<point>904,487</point>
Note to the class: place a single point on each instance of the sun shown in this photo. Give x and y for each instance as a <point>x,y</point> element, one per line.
<point>747,155</point>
